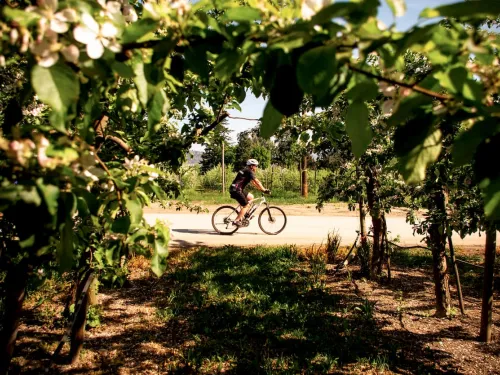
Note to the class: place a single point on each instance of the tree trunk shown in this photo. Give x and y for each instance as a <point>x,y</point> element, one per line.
<point>372,186</point>
<point>304,189</point>
<point>15,284</point>
<point>363,240</point>
<point>78,331</point>
<point>437,241</point>
<point>488,281</point>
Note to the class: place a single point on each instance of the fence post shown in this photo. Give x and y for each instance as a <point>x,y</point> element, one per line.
<point>223,170</point>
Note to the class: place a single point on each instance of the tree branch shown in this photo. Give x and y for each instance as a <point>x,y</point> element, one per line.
<point>244,118</point>
<point>413,87</point>
<point>217,121</point>
<point>118,190</point>
<point>120,142</point>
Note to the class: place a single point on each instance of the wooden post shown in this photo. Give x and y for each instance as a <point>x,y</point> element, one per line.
<point>80,319</point>
<point>487,304</point>
<point>304,188</point>
<point>272,173</point>
<point>315,178</point>
<point>457,275</point>
<point>223,171</point>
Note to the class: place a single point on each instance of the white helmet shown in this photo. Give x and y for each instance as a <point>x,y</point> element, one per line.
<point>252,162</point>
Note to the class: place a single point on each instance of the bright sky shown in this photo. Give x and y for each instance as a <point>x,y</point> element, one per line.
<point>253,107</point>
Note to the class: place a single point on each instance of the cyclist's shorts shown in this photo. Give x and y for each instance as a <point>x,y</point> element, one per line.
<point>240,197</point>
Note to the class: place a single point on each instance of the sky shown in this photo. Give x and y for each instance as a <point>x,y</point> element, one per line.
<point>253,107</point>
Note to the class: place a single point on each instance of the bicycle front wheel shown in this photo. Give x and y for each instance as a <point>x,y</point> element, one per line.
<point>272,220</point>
<point>222,220</point>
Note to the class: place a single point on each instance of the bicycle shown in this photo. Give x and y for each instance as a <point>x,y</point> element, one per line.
<point>223,217</point>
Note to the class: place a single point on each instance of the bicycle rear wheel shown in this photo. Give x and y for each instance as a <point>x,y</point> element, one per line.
<point>222,220</point>
<point>272,220</point>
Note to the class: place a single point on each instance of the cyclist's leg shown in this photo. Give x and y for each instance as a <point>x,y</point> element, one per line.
<point>243,201</point>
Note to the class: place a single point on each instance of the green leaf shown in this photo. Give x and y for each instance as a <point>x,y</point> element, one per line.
<point>138,29</point>
<point>89,198</point>
<point>159,259</point>
<point>363,91</point>
<point>407,107</point>
<point>57,86</point>
<point>485,165</point>
<point>242,14</point>
<point>121,225</point>
<point>227,63</point>
<point>135,208</point>
<point>358,127</point>
<point>50,194</point>
<point>286,95</point>
<point>416,153</point>
<point>398,7</point>
<point>304,137</point>
<point>158,191</point>
<point>197,62</point>
<point>158,106</point>
<point>456,81</point>
<point>334,10</point>
<point>467,9</point>
<point>29,195</point>
<point>138,235</point>
<point>122,69</point>
<point>491,196</point>
<point>467,142</point>
<point>21,17</point>
<point>315,70</point>
<point>65,246</point>
<point>141,83</point>
<point>271,121</point>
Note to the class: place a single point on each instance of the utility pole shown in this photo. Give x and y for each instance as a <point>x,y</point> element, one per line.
<point>223,171</point>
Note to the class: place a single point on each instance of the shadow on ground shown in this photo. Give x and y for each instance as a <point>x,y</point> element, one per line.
<point>251,311</point>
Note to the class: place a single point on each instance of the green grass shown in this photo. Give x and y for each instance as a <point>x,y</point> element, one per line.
<point>262,311</point>
<point>216,197</point>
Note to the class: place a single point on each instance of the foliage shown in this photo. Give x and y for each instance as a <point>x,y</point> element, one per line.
<point>251,146</point>
<point>100,87</point>
<point>212,154</point>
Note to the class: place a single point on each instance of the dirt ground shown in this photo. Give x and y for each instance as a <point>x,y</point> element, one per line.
<point>329,209</point>
<point>132,340</point>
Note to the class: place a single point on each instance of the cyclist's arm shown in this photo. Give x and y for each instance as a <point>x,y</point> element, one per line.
<point>258,184</point>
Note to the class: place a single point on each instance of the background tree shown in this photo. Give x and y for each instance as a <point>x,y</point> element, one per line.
<point>251,145</point>
<point>212,154</point>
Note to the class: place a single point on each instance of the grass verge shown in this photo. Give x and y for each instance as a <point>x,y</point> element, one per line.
<point>217,197</point>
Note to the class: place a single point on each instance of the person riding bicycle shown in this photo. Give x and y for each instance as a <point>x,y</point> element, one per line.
<point>242,179</point>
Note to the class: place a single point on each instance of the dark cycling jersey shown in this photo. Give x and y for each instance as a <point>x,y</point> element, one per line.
<point>242,179</point>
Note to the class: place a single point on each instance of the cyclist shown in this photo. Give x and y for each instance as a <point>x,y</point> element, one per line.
<point>242,179</point>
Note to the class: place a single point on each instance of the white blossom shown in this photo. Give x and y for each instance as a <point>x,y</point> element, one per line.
<point>71,53</point>
<point>129,13</point>
<point>56,21</point>
<point>46,49</point>
<point>311,7</point>
<point>388,107</point>
<point>96,37</point>
<point>182,6</point>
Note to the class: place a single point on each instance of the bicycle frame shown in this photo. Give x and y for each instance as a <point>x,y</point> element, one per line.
<point>254,206</point>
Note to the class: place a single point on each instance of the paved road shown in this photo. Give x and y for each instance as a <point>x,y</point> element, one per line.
<point>196,229</point>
